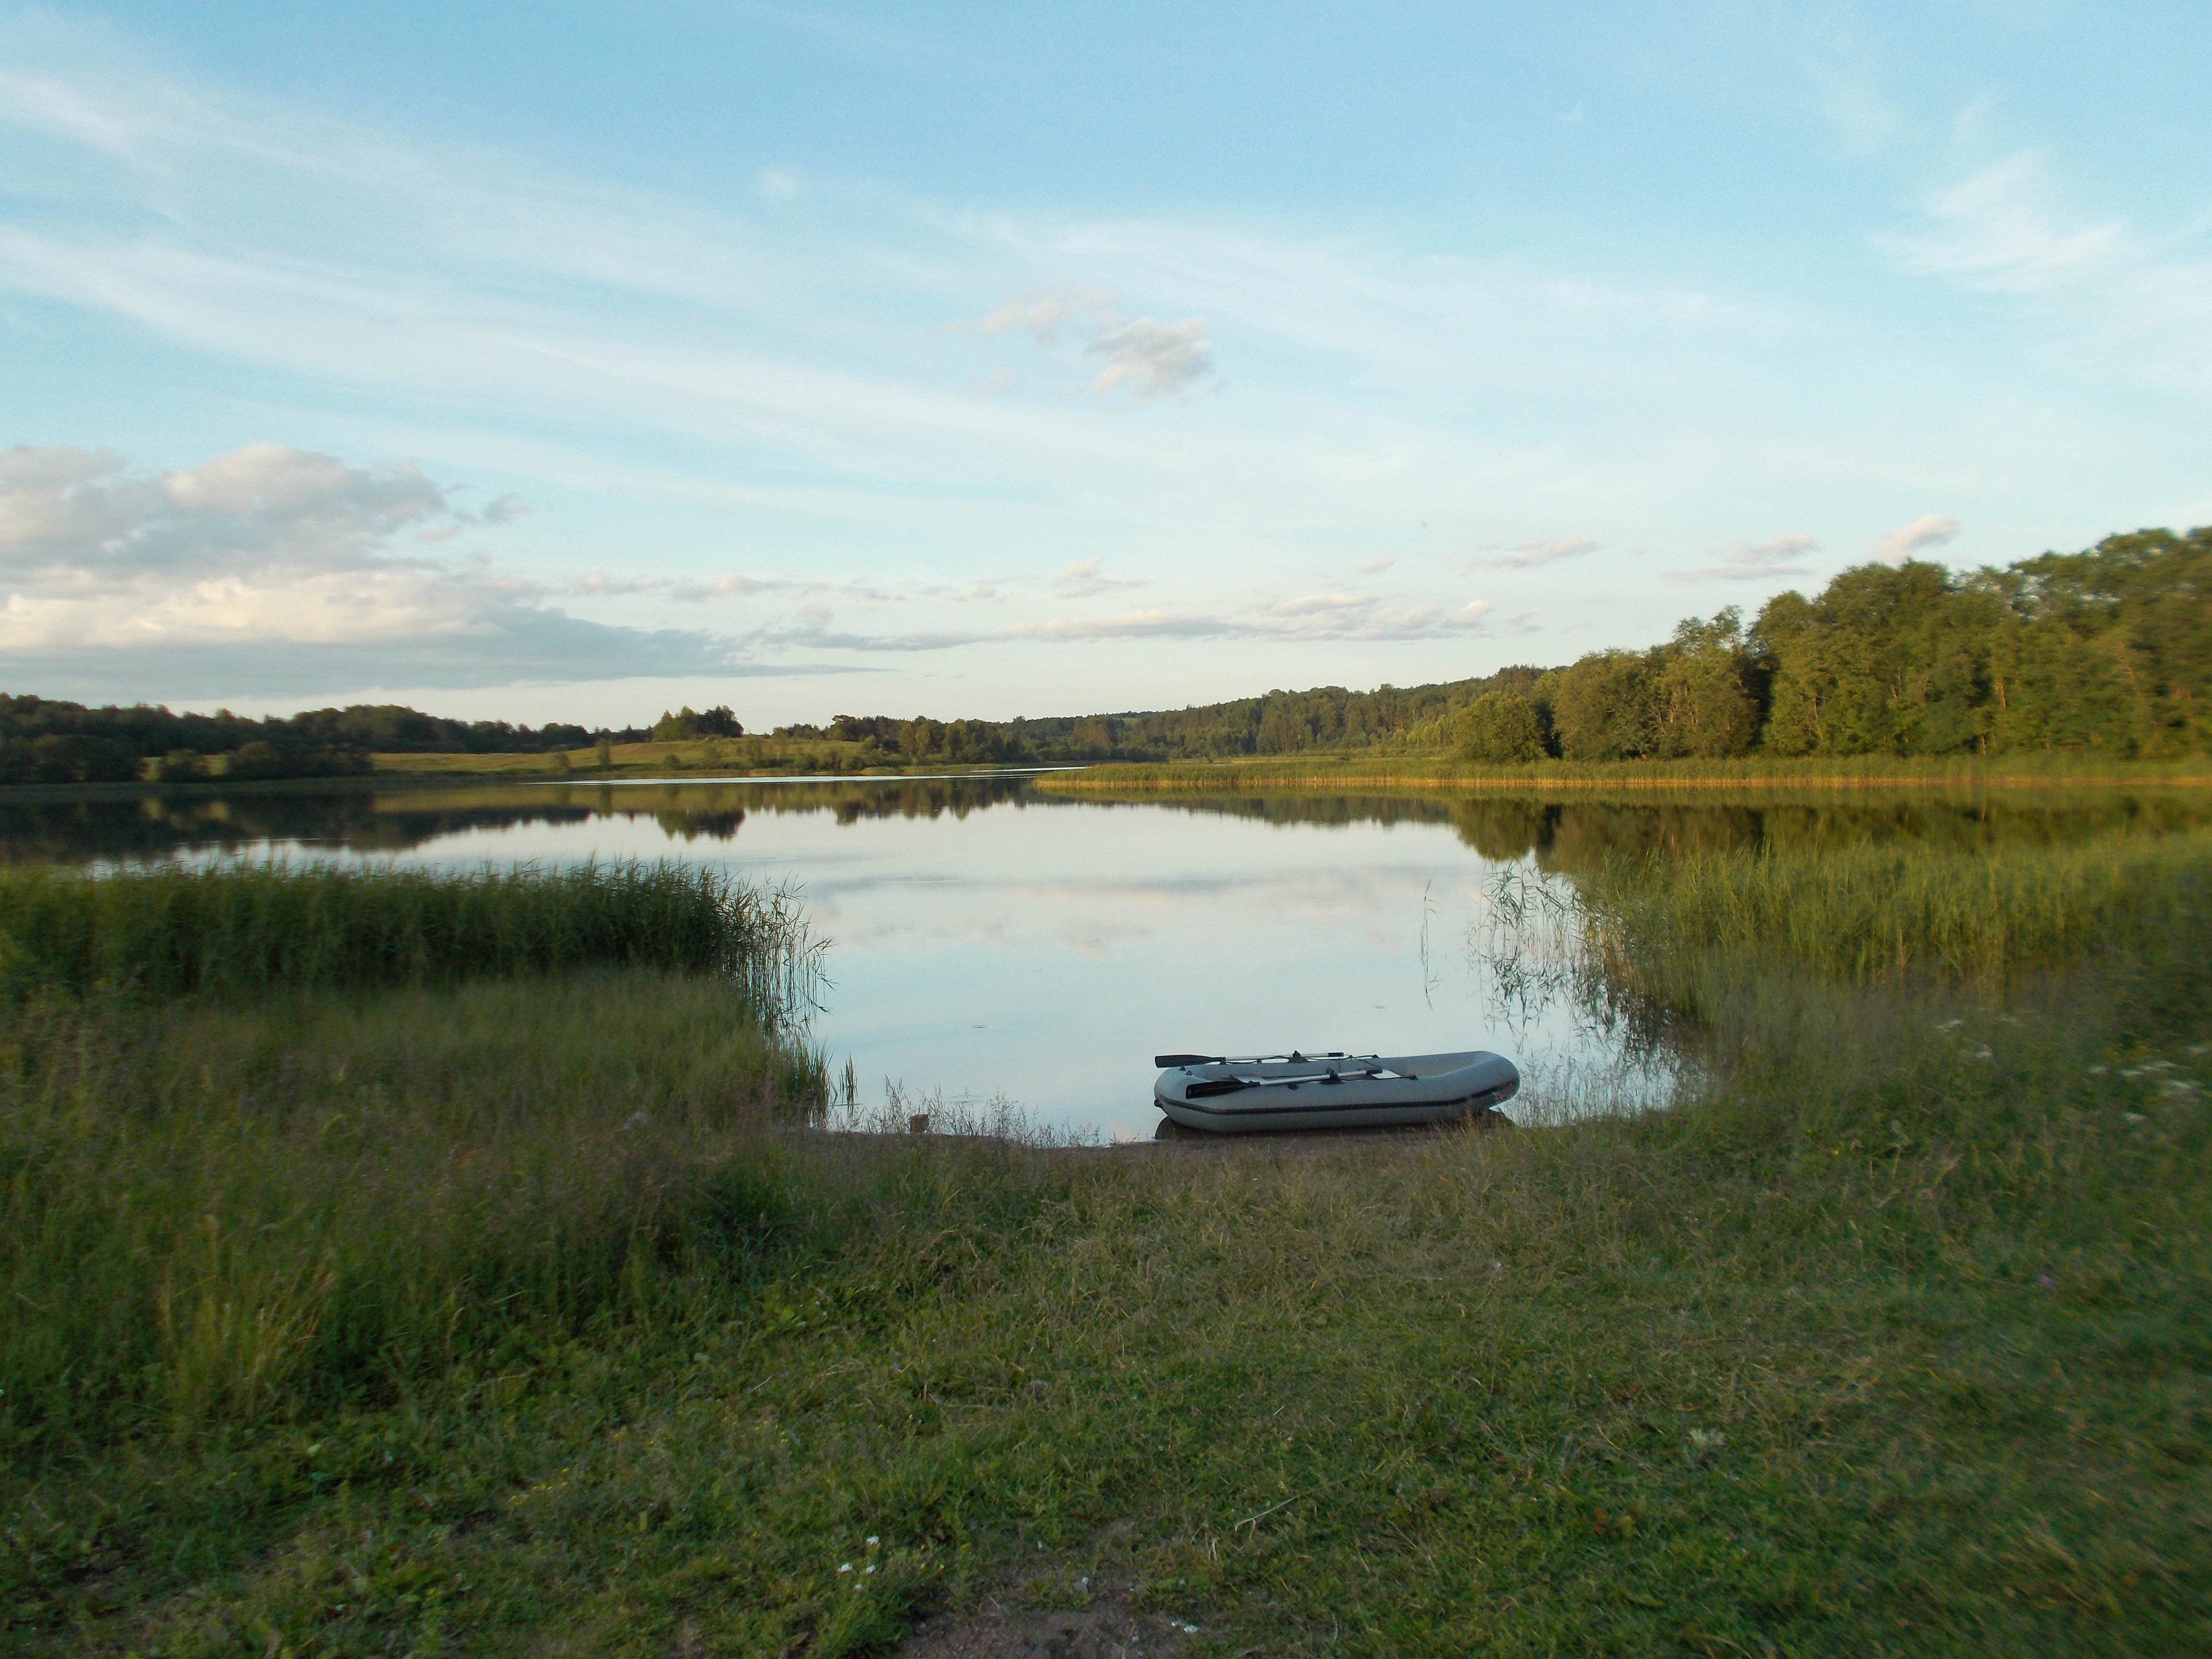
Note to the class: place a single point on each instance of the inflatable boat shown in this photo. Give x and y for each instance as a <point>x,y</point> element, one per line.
<point>1329,1091</point>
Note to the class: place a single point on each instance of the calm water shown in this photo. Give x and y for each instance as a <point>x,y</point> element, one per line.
<point>991,940</point>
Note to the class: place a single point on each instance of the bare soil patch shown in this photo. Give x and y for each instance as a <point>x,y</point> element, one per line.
<point>1105,1630</point>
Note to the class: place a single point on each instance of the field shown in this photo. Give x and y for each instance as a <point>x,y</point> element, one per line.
<point>499,1306</point>
<point>725,757</point>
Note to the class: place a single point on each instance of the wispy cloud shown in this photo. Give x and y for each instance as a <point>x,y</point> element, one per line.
<point>1042,316</point>
<point>1313,618</point>
<point>1778,555</point>
<point>1148,358</point>
<point>2005,230</point>
<point>1994,230</point>
<point>1929,529</point>
<point>1524,556</point>
<point>1081,581</point>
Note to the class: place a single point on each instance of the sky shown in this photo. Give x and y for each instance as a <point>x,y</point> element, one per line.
<point>569,362</point>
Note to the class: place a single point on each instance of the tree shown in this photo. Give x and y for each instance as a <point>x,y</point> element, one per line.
<point>1603,707</point>
<point>1704,703</point>
<point>1501,728</point>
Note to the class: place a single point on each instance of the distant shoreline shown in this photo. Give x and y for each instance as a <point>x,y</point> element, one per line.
<point>1825,773</point>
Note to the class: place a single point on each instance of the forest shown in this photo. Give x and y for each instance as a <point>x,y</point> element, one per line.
<point>2102,650</point>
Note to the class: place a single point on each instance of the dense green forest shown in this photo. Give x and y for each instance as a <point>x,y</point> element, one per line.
<point>2103,650</point>
<point>44,741</point>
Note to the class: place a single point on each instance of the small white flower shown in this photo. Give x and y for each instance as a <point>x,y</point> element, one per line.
<point>871,1542</point>
<point>844,1566</point>
<point>871,1567</point>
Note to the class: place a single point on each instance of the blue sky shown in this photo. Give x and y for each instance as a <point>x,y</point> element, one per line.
<point>557,362</point>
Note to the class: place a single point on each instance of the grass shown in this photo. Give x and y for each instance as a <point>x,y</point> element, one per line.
<point>1891,1339</point>
<point>170,930</point>
<point>1884,911</point>
<point>215,1215</point>
<point>722,755</point>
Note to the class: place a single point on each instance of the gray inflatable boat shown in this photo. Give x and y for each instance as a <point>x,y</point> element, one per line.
<point>1329,1091</point>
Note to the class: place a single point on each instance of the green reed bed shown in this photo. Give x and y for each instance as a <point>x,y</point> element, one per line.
<point>1878,912</point>
<point>249,929</point>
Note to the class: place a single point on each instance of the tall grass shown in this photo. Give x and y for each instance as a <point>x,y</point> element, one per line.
<point>210,1212</point>
<point>1880,914</point>
<point>240,928</point>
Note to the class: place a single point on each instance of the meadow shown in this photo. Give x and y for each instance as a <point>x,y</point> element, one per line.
<point>475,1302</point>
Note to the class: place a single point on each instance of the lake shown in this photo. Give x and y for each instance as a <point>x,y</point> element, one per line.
<point>995,942</point>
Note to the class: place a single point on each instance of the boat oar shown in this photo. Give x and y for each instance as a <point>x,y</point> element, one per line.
<point>1168,1063</point>
<point>1229,1085</point>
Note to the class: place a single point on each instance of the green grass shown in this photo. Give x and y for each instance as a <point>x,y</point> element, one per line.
<point>211,1214</point>
<point>1880,911</point>
<point>1890,1337</point>
<point>720,756</point>
<point>170,930</point>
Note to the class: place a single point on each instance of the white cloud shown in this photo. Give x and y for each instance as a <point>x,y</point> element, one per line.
<point>1081,581</point>
<point>270,567</point>
<point>1929,529</point>
<point>1148,358</point>
<point>73,515</point>
<point>1153,360</point>
<point>1523,555</point>
<point>1042,316</point>
<point>1376,566</point>
<point>1775,556</point>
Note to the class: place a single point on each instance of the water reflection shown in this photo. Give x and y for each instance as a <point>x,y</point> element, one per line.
<point>370,820</point>
<point>993,940</point>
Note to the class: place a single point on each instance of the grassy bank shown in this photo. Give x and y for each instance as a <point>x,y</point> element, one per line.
<point>1361,769</point>
<point>217,1216</point>
<point>719,756</point>
<point>1891,1339</point>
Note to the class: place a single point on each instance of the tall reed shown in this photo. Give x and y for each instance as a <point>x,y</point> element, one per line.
<point>1882,913</point>
<point>173,930</point>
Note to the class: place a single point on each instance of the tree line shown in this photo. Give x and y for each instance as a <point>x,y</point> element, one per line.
<point>44,740</point>
<point>2102,650</point>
